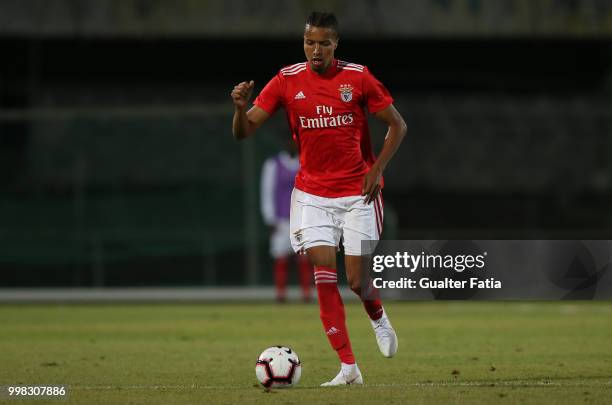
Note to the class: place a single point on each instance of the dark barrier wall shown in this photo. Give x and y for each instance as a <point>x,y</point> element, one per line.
<point>118,166</point>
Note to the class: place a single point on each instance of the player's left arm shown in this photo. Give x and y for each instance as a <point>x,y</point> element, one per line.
<point>395,134</point>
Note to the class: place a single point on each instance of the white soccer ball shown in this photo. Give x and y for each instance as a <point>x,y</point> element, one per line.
<point>278,367</point>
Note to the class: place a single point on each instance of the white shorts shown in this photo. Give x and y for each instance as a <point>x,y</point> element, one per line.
<point>280,245</point>
<point>321,221</point>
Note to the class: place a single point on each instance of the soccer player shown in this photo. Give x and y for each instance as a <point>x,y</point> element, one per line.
<point>337,195</point>
<point>277,181</point>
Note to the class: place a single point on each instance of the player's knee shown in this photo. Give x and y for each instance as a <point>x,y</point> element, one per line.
<point>322,256</point>
<point>355,285</point>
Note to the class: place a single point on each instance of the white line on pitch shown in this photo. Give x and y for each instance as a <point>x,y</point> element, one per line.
<point>506,383</point>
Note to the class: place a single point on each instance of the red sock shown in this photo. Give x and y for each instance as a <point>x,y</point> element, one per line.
<point>305,271</point>
<point>374,309</point>
<point>332,313</point>
<point>371,301</point>
<point>281,267</point>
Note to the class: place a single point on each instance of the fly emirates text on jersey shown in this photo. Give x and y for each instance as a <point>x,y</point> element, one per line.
<point>326,119</point>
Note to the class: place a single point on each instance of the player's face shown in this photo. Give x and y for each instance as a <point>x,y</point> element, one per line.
<point>319,46</point>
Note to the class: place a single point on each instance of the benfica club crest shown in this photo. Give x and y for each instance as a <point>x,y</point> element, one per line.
<point>346,92</point>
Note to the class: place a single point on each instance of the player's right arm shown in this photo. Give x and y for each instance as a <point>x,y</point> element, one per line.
<point>246,122</point>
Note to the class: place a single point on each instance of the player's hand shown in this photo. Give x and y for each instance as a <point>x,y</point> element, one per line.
<point>242,93</point>
<point>371,185</point>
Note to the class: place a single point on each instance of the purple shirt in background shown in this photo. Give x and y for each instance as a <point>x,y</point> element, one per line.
<point>278,178</point>
<point>285,178</point>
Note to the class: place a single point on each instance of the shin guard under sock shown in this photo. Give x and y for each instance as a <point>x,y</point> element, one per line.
<point>332,313</point>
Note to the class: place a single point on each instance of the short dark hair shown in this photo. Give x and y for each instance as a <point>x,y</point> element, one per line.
<point>323,20</point>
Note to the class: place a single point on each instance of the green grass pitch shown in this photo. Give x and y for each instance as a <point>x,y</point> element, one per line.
<point>449,352</point>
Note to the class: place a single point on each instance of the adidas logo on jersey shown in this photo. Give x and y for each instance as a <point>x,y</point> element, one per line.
<point>299,96</point>
<point>332,331</point>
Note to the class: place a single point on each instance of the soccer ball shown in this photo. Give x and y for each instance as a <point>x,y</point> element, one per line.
<point>278,367</point>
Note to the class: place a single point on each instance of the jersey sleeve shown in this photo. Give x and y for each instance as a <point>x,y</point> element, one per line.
<point>377,97</point>
<point>271,97</point>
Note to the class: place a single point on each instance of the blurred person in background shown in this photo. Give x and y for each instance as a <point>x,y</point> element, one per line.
<point>337,196</point>
<point>277,182</point>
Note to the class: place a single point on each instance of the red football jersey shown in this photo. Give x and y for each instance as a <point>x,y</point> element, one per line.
<point>327,118</point>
